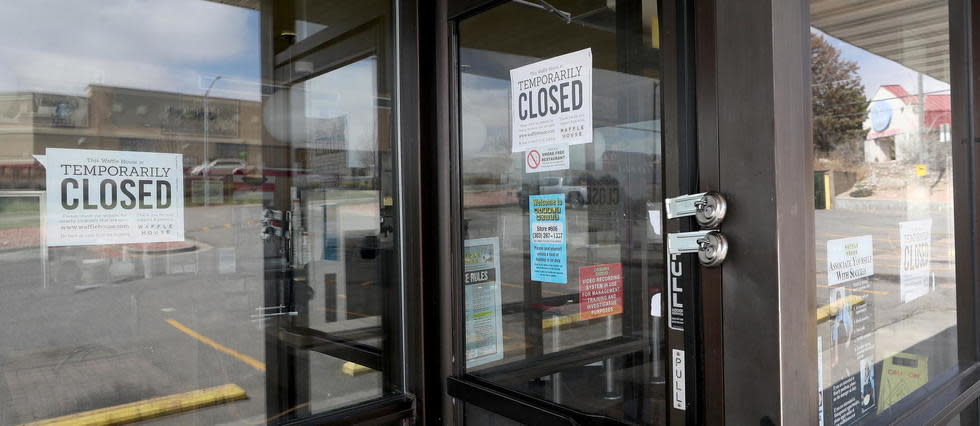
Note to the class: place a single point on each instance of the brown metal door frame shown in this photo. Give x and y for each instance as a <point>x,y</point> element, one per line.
<point>755,146</point>
<point>753,132</point>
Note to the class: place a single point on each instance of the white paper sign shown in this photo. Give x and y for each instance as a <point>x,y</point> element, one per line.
<point>656,310</point>
<point>679,380</point>
<point>482,299</point>
<point>916,239</point>
<point>546,159</point>
<point>551,102</point>
<point>113,197</point>
<point>654,216</point>
<point>849,259</point>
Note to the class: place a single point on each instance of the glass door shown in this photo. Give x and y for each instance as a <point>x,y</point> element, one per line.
<point>332,288</point>
<point>197,213</point>
<point>558,305</point>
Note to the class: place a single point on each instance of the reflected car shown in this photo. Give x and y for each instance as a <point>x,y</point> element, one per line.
<point>219,167</point>
<point>575,188</point>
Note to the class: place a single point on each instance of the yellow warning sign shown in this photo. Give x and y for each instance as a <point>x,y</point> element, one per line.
<point>901,375</point>
<point>921,170</point>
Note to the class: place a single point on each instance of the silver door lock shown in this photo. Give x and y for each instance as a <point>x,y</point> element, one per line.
<point>708,208</point>
<point>712,249</point>
<point>711,209</point>
<point>273,224</point>
<point>711,246</point>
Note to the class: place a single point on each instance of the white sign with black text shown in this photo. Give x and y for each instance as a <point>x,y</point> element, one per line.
<point>546,159</point>
<point>679,384</point>
<point>551,102</point>
<point>113,197</point>
<point>849,259</point>
<point>916,239</point>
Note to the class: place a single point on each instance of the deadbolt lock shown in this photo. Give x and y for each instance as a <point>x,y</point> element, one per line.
<point>273,224</point>
<point>712,249</point>
<point>710,209</point>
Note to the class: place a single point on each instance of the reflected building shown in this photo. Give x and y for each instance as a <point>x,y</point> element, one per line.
<point>123,119</point>
<point>903,126</point>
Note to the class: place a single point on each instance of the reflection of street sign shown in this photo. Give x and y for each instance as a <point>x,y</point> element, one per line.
<point>881,115</point>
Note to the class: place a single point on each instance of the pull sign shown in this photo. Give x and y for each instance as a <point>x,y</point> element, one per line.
<point>685,242</point>
<point>679,381</point>
<point>683,206</point>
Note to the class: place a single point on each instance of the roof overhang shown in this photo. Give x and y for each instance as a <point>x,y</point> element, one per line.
<point>914,33</point>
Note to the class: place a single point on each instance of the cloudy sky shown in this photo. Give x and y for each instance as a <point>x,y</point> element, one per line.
<point>63,46</point>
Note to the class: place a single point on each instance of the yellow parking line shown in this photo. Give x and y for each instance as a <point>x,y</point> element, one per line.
<point>857,290</point>
<point>303,405</point>
<point>356,314</point>
<point>252,362</point>
<point>150,408</point>
<point>512,285</point>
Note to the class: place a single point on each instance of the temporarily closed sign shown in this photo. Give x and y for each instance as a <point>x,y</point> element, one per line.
<point>551,102</point>
<point>112,197</point>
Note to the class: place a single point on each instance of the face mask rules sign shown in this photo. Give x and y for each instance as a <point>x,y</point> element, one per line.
<point>551,102</point>
<point>113,197</point>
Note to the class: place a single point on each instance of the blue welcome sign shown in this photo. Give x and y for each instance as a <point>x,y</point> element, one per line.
<point>549,258</point>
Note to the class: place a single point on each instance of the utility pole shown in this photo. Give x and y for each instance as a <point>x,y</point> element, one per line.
<point>207,119</point>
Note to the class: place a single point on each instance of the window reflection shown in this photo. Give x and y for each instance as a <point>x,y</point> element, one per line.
<point>255,324</point>
<point>884,220</point>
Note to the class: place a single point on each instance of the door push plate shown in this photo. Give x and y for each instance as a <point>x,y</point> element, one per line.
<point>711,246</point>
<point>708,208</point>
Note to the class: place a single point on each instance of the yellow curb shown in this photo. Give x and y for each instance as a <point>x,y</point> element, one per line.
<point>352,369</point>
<point>825,312</point>
<point>150,408</point>
<point>560,321</point>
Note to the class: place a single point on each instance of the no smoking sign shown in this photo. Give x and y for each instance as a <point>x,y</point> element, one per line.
<point>545,159</point>
<point>533,159</point>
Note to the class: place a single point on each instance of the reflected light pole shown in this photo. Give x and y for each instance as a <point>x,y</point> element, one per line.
<point>207,119</point>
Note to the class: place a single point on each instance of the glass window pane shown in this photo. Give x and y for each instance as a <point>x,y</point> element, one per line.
<point>562,247</point>
<point>883,179</point>
<point>192,200</point>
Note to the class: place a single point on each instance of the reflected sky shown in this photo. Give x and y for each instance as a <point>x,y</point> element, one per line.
<point>175,45</point>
